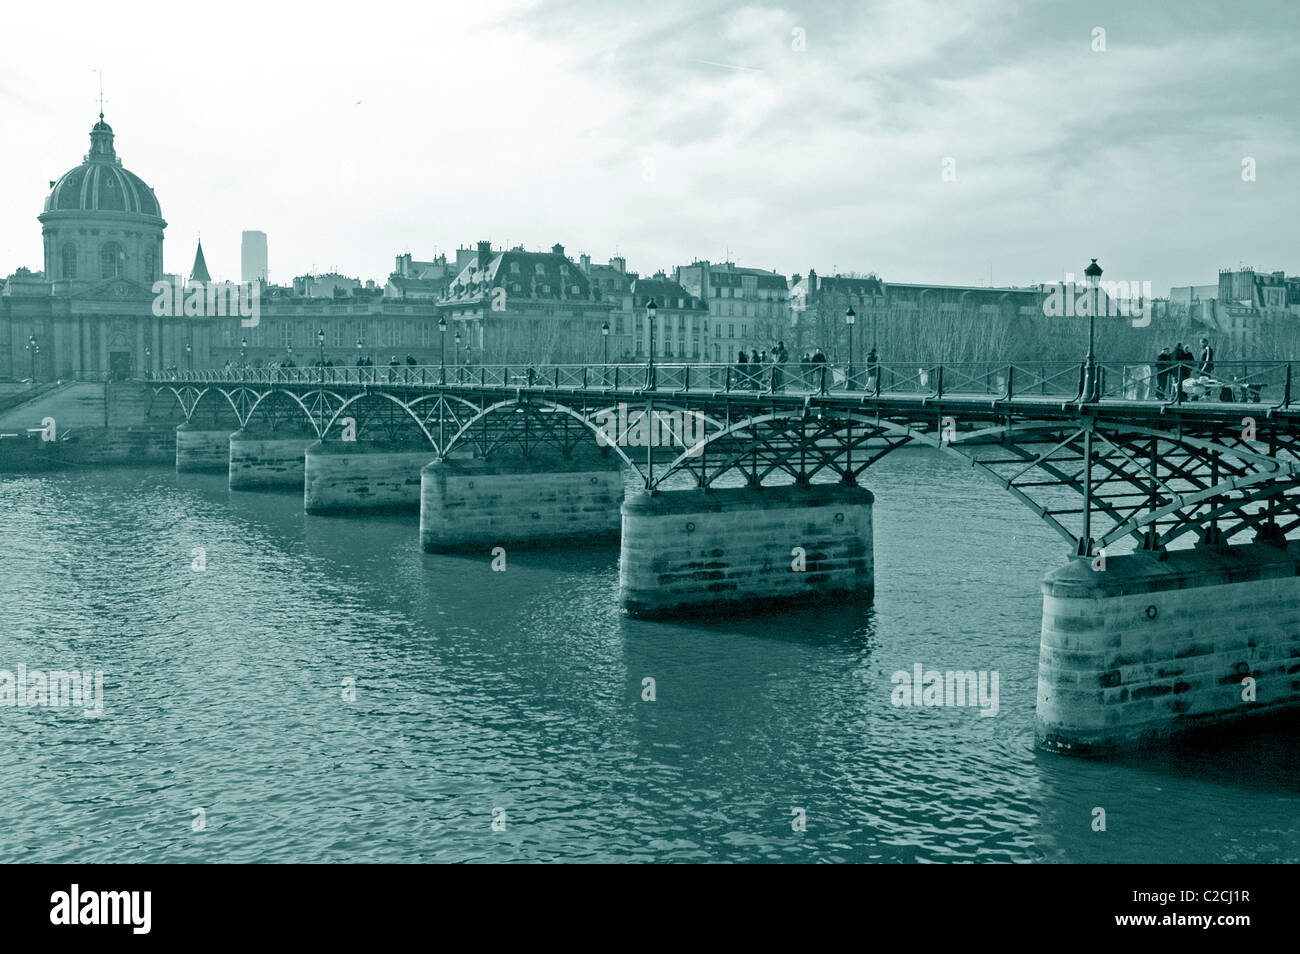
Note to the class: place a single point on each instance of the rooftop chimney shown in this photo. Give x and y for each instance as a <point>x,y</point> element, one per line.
<point>557,249</point>
<point>484,254</point>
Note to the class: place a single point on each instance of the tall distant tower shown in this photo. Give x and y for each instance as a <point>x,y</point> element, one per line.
<point>252,257</point>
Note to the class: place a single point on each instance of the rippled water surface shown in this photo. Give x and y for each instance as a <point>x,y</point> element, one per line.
<point>480,691</point>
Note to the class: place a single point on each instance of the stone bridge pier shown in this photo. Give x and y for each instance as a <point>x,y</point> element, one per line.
<point>265,459</point>
<point>737,550</point>
<point>355,476</point>
<point>202,447</point>
<point>1160,643</point>
<point>509,499</point>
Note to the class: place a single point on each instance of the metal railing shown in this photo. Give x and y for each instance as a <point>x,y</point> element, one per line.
<point>1257,382</point>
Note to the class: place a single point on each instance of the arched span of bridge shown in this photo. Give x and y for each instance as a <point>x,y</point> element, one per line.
<point>282,405</point>
<point>1151,493</point>
<point>211,402</point>
<point>1150,483</point>
<point>518,413</point>
<point>429,413</point>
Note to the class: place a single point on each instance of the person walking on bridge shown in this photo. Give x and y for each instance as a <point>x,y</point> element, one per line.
<point>818,364</point>
<point>1164,368</point>
<point>1206,365</point>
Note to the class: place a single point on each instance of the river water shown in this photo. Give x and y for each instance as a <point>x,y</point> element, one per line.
<point>499,716</point>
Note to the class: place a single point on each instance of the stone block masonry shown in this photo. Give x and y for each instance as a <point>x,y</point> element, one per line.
<point>1156,645</point>
<point>267,461</point>
<point>199,450</point>
<point>356,476</point>
<point>698,552</point>
<point>80,447</point>
<point>475,505</point>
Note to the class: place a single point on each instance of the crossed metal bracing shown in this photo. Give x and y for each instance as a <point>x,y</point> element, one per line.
<point>1095,475</point>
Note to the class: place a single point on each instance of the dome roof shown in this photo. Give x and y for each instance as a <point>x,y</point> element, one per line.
<point>100,184</point>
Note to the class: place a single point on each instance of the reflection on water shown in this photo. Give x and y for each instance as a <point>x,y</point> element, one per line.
<point>522,691</point>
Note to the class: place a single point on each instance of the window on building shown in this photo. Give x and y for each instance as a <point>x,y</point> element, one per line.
<point>717,352</point>
<point>69,263</point>
<point>731,331</point>
<point>149,266</point>
<point>286,335</point>
<point>112,261</point>
<point>339,334</point>
<point>539,269</point>
<point>514,268</point>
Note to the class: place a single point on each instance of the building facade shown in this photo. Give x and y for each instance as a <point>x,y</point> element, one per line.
<point>515,306</point>
<point>92,311</point>
<point>748,308</point>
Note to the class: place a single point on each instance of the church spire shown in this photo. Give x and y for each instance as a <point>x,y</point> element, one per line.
<point>199,273</point>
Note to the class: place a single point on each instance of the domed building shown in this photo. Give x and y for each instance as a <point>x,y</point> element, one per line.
<point>89,312</point>
<point>102,221</point>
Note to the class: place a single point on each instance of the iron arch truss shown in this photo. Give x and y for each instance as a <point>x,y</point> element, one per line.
<point>1098,471</point>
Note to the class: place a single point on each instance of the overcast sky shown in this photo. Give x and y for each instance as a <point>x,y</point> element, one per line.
<point>350,132</point>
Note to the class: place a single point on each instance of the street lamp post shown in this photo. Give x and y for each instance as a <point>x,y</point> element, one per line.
<point>651,310</point>
<point>604,337</point>
<point>189,356</point>
<point>442,348</point>
<point>320,399</point>
<point>1093,274</point>
<point>455,352</point>
<point>850,317</point>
